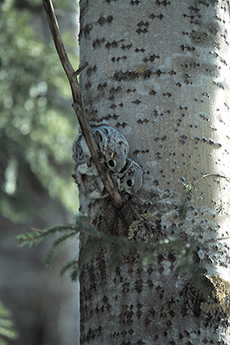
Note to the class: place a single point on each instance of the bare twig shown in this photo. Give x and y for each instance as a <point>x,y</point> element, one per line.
<point>217,239</point>
<point>81,68</point>
<point>54,28</point>
<point>101,168</point>
<point>78,104</point>
<point>213,175</point>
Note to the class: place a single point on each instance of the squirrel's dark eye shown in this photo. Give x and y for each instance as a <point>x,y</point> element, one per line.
<point>129,182</point>
<point>111,163</point>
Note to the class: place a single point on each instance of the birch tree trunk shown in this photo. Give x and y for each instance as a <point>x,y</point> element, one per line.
<point>159,74</point>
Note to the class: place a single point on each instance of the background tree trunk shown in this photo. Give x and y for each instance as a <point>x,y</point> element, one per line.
<point>158,73</point>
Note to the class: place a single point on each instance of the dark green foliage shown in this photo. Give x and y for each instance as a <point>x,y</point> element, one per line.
<point>36,127</point>
<point>72,267</point>
<point>93,241</point>
<point>7,327</point>
<point>57,243</point>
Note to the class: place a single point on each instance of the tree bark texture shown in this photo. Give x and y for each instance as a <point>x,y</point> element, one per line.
<point>159,74</point>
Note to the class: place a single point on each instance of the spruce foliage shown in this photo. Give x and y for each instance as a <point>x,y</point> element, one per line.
<point>93,241</point>
<point>36,128</point>
<point>7,327</point>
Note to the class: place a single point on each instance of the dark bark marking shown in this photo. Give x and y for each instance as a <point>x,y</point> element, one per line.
<point>137,102</point>
<point>183,107</point>
<point>86,30</point>
<point>205,118</point>
<point>114,44</point>
<point>105,299</point>
<point>151,58</point>
<point>163,2</point>
<point>150,284</point>
<point>140,24</point>
<point>92,112</point>
<point>147,172</point>
<point>109,116</point>
<point>201,38</point>
<point>130,75</point>
<point>91,70</point>
<point>152,92</point>
<point>141,122</point>
<point>119,124</point>
<point>139,31</point>
<point>102,20</point>
<point>221,86</point>
<point>125,287</point>
<point>160,138</point>
<point>136,152</point>
<point>129,90</point>
<point>166,94</point>
<point>158,72</point>
<point>111,98</point>
<point>120,75</point>
<point>101,86</point>
<point>118,58</point>
<point>208,141</point>
<point>139,50</point>
<point>182,139</point>
<point>115,90</point>
<point>139,285</point>
<point>142,152</point>
<point>188,48</point>
<point>134,2</point>
<point>128,46</point>
<point>98,42</point>
<point>88,85</point>
<point>153,16</point>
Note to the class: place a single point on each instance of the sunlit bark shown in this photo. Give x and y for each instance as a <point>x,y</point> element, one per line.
<point>159,74</point>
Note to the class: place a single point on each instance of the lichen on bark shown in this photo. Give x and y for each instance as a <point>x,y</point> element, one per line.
<point>218,302</point>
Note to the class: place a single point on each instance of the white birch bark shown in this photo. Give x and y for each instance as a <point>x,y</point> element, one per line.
<point>159,74</point>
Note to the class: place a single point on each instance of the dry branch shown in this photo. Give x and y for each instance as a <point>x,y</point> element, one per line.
<point>78,104</point>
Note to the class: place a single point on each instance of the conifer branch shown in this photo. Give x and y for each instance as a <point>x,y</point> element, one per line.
<point>94,241</point>
<point>7,326</point>
<point>78,105</point>
<point>58,242</point>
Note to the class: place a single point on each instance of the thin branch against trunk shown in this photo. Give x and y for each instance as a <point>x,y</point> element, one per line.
<point>78,104</point>
<point>213,175</point>
<point>81,68</point>
<point>101,168</point>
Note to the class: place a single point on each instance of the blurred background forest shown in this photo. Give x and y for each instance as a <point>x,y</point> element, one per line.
<point>37,129</point>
